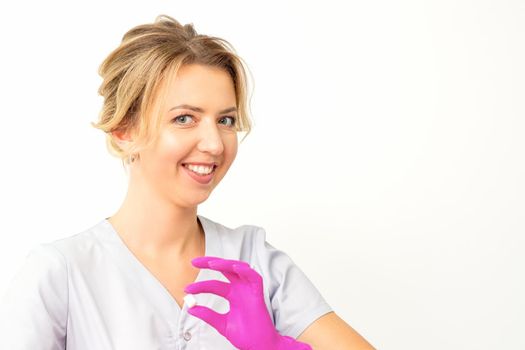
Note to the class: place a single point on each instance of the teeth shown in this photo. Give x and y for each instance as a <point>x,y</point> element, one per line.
<point>199,169</point>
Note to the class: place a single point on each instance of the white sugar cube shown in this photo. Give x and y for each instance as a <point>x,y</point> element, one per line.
<point>190,300</point>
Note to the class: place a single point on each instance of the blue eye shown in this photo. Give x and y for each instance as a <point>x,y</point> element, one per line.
<point>180,119</point>
<point>233,120</point>
<point>182,116</point>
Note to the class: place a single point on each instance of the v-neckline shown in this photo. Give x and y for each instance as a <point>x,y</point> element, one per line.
<point>148,275</point>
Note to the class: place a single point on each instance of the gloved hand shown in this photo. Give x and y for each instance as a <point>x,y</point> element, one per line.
<point>247,325</point>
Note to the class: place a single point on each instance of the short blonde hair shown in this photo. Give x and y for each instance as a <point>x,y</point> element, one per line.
<point>148,55</point>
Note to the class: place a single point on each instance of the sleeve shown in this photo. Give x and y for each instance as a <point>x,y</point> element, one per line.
<point>33,311</point>
<point>295,301</point>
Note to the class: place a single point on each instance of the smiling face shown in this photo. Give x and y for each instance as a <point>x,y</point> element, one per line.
<point>199,132</point>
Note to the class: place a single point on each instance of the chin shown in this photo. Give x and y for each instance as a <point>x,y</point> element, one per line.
<point>196,200</point>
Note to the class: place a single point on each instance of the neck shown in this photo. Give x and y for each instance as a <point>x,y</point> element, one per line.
<point>155,227</point>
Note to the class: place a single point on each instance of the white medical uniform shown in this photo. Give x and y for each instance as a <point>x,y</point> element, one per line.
<point>89,292</point>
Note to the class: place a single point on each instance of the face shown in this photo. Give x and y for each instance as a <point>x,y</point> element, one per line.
<point>187,135</point>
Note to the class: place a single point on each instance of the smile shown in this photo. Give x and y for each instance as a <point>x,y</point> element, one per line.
<point>201,174</point>
<point>200,169</point>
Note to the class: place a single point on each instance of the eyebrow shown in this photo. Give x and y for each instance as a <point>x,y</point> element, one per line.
<point>198,109</point>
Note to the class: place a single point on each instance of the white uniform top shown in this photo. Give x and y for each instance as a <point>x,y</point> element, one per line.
<point>89,292</point>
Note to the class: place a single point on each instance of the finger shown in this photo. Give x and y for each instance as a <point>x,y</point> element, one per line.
<point>226,267</point>
<point>214,319</point>
<point>251,277</point>
<point>211,286</point>
<point>219,264</point>
<point>248,274</point>
<point>202,261</point>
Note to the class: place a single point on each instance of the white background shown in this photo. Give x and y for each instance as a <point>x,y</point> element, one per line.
<point>387,157</point>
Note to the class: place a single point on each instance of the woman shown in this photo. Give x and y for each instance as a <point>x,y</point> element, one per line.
<point>174,102</point>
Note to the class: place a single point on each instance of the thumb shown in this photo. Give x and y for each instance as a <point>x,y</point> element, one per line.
<point>214,319</point>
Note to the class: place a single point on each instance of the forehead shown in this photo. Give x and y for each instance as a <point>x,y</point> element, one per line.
<point>200,85</point>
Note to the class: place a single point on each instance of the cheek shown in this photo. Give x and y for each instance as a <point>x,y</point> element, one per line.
<point>232,149</point>
<point>171,148</point>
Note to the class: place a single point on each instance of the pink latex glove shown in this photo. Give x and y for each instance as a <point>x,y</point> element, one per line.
<point>247,325</point>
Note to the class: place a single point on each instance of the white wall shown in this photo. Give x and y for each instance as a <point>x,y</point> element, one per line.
<point>388,141</point>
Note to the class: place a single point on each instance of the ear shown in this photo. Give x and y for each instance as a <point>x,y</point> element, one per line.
<point>122,138</point>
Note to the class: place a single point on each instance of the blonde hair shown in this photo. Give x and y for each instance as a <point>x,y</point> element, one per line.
<point>148,55</point>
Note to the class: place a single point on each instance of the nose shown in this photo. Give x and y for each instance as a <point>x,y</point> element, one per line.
<point>210,139</point>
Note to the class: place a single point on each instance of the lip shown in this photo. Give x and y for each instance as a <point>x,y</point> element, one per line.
<point>201,163</point>
<point>204,180</point>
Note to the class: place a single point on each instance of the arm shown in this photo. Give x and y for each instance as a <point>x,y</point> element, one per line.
<point>33,312</point>
<point>299,306</point>
<point>330,332</point>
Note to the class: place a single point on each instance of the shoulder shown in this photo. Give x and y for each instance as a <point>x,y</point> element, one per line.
<point>293,301</point>
<point>250,242</point>
<point>49,262</point>
<point>246,243</point>
<point>225,232</point>
<point>44,261</point>
<point>40,287</point>
<point>82,244</point>
<point>244,238</point>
